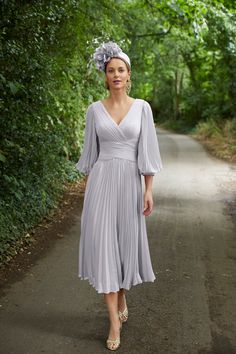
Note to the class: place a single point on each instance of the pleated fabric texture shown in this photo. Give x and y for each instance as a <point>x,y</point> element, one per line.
<point>113,247</point>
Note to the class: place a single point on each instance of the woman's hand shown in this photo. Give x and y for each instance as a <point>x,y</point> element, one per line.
<point>85,181</point>
<point>148,203</point>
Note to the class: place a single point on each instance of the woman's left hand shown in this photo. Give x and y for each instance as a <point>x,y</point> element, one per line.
<point>148,203</point>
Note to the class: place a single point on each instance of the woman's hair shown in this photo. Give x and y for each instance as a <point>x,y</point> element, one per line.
<point>127,65</point>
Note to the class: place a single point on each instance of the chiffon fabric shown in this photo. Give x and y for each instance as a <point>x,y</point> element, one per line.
<point>113,248</point>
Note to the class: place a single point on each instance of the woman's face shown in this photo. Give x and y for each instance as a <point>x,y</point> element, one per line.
<point>117,74</point>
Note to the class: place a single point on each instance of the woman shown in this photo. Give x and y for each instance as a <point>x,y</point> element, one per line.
<point>120,145</point>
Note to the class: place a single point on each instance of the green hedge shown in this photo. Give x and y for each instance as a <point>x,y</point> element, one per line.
<point>47,80</point>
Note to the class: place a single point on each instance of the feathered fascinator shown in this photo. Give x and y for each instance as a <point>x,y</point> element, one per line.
<point>105,52</point>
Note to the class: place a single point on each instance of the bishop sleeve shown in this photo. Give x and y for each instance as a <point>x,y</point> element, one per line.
<point>149,159</point>
<point>90,149</point>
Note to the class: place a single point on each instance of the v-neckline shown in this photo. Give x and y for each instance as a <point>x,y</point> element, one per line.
<point>108,114</point>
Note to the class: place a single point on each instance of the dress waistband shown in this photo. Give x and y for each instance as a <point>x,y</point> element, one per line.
<point>109,150</point>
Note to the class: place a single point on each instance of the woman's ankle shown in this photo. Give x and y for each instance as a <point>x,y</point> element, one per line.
<point>115,325</point>
<point>122,303</point>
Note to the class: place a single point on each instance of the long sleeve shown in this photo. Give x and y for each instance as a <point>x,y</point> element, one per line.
<point>149,158</point>
<point>90,150</point>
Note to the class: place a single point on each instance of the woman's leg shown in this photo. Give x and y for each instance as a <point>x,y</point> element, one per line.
<point>111,300</point>
<point>121,300</point>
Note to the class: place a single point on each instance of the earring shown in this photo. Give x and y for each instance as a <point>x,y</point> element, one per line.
<point>128,86</point>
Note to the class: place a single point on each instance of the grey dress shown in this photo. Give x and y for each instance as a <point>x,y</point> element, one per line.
<point>113,247</point>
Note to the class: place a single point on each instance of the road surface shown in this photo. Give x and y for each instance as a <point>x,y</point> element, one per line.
<point>189,309</point>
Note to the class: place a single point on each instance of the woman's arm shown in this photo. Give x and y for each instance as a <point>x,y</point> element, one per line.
<point>148,201</point>
<point>86,178</point>
<point>148,182</point>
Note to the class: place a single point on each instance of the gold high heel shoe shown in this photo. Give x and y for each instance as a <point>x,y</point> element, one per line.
<point>123,316</point>
<point>114,344</point>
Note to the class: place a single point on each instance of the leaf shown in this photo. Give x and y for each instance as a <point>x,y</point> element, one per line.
<point>2,157</point>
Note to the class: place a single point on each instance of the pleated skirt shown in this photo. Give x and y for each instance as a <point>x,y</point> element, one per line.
<point>113,246</point>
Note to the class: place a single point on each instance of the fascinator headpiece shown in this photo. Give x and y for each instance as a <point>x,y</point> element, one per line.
<point>105,52</point>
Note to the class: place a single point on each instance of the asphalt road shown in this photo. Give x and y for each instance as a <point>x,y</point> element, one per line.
<point>189,309</point>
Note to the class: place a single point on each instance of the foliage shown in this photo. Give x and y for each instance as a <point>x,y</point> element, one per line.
<point>185,53</point>
<point>46,83</point>
<point>218,137</point>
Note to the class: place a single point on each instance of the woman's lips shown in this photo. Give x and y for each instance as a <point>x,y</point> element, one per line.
<point>116,81</point>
